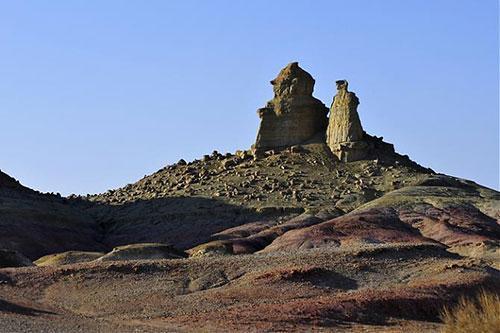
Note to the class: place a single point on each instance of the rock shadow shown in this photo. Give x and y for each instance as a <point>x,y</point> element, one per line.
<point>181,221</point>
<point>6,306</point>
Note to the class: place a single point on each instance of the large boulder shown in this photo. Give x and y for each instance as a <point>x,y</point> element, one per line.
<point>293,116</point>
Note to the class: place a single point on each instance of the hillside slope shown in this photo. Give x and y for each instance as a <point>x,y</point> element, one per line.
<point>37,224</point>
<point>187,203</point>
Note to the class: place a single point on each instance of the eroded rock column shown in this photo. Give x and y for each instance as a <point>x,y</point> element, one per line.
<point>293,116</point>
<point>345,135</point>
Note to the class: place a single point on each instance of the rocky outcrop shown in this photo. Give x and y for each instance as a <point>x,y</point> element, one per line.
<point>345,133</point>
<point>293,116</point>
<point>345,125</point>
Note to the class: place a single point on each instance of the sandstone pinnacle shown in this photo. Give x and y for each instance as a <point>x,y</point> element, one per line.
<point>344,125</point>
<point>345,135</point>
<point>293,116</point>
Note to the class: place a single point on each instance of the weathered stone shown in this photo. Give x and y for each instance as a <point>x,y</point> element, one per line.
<point>345,133</point>
<point>344,125</point>
<point>293,116</point>
<point>242,154</point>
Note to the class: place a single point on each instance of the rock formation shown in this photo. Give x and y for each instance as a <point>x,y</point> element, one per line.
<point>345,136</point>
<point>293,116</point>
<point>345,125</point>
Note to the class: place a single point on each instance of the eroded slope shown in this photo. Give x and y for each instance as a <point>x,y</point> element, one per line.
<point>323,288</point>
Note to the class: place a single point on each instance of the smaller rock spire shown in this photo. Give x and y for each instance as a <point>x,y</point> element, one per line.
<point>344,125</point>
<point>345,135</point>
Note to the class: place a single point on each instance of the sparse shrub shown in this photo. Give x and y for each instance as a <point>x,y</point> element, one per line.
<point>473,315</point>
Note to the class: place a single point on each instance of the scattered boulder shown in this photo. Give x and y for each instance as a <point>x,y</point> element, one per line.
<point>143,251</point>
<point>293,116</point>
<point>243,154</point>
<point>297,149</point>
<point>69,257</point>
<point>12,258</point>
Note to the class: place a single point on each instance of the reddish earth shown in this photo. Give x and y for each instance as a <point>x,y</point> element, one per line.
<point>296,243</point>
<point>372,226</point>
<point>366,287</point>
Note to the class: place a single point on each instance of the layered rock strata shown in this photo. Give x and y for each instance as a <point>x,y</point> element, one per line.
<point>345,135</point>
<point>293,116</point>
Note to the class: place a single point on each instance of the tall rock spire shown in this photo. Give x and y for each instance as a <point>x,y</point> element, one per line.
<point>344,125</point>
<point>345,135</point>
<point>293,116</point>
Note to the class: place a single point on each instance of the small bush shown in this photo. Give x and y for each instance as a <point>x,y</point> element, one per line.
<point>473,315</point>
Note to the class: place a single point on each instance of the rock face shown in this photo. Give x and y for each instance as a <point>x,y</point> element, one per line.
<point>293,116</point>
<point>345,125</point>
<point>345,134</point>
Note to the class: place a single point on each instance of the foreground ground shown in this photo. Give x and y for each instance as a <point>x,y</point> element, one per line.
<point>366,289</point>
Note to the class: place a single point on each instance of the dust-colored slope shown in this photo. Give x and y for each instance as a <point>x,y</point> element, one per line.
<point>297,291</point>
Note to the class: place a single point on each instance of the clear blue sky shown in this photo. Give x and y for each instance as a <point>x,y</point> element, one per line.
<point>94,94</point>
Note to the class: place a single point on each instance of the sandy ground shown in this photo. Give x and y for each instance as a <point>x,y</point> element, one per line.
<point>369,289</point>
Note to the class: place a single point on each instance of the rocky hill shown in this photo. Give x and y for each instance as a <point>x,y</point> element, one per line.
<point>36,224</point>
<point>318,224</point>
<point>320,171</point>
